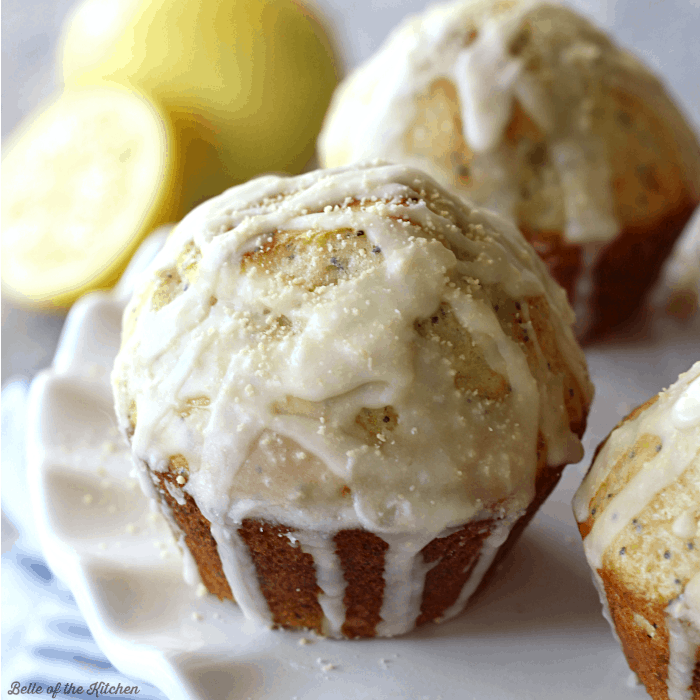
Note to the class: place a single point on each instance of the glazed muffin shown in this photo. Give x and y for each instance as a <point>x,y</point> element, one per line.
<point>348,392</point>
<point>638,511</point>
<point>527,108</point>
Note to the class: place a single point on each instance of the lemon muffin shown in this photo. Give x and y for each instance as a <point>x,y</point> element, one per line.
<point>638,512</point>
<point>527,108</point>
<point>348,392</point>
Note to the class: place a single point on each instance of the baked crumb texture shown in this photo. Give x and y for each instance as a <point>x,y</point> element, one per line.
<point>348,392</point>
<point>527,108</point>
<point>638,511</point>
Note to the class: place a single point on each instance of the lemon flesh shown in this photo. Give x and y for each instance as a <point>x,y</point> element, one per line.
<point>84,180</point>
<point>248,80</point>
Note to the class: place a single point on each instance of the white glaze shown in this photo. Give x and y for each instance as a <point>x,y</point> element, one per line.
<point>497,536</point>
<point>679,450</point>
<point>329,577</point>
<point>190,571</point>
<point>404,578</point>
<point>585,287</point>
<point>486,77</point>
<point>684,638</point>
<point>240,573</point>
<point>685,525</point>
<point>685,413</point>
<point>246,459</point>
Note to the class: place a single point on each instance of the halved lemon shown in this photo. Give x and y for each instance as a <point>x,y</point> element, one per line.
<point>83,181</point>
<point>248,80</point>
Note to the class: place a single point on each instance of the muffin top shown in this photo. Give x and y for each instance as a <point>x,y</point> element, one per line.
<point>351,347</point>
<point>639,506</point>
<point>527,108</point>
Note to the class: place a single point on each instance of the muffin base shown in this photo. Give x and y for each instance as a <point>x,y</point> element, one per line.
<point>641,626</point>
<point>623,273</point>
<point>628,268</point>
<point>287,575</point>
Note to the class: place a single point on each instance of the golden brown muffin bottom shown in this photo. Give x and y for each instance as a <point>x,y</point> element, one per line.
<point>287,575</point>
<point>641,627</point>
<point>644,645</point>
<point>629,267</point>
<point>625,271</point>
<point>361,557</point>
<point>198,537</point>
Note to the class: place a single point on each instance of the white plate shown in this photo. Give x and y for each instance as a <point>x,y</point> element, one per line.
<point>536,633</point>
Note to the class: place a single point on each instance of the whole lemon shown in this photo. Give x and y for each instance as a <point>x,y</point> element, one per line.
<point>246,83</point>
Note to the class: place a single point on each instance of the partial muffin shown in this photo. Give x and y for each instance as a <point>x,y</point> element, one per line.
<point>348,392</point>
<point>638,512</point>
<point>679,292</point>
<point>527,108</point>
